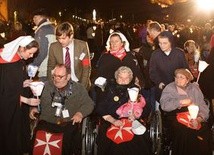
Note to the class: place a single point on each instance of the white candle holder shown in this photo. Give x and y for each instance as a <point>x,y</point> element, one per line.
<point>193,111</point>
<point>133,93</point>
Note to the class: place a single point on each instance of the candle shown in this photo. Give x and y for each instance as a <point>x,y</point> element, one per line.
<point>133,93</point>
<point>193,111</point>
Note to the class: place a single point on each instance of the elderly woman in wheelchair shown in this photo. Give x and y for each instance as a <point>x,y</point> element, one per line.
<point>186,115</point>
<point>121,130</point>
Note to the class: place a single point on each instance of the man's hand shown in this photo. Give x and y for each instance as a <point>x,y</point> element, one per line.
<point>77,118</point>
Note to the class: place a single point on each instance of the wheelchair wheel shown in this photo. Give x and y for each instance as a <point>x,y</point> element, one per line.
<point>156,132</point>
<point>88,137</point>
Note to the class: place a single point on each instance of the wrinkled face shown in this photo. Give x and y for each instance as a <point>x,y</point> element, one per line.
<point>181,80</point>
<point>27,53</point>
<point>60,77</point>
<point>116,43</point>
<point>37,19</point>
<point>164,44</point>
<point>65,40</point>
<point>123,78</point>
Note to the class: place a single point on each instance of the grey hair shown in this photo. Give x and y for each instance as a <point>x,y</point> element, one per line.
<point>123,69</point>
<point>68,70</point>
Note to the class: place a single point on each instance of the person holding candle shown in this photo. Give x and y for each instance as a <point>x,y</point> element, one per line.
<point>117,114</point>
<point>188,135</point>
<point>12,93</point>
<point>64,104</point>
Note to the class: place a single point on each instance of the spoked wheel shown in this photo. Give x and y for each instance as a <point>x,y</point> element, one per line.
<point>88,137</point>
<point>156,132</point>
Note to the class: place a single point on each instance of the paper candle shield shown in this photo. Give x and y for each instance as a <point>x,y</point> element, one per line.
<point>37,87</point>
<point>101,82</point>
<point>202,65</point>
<point>31,69</point>
<point>133,93</point>
<point>138,128</point>
<point>193,111</point>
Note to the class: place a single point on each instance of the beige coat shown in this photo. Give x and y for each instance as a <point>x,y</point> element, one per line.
<point>82,69</point>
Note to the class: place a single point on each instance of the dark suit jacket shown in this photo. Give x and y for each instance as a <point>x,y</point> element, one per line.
<point>82,67</point>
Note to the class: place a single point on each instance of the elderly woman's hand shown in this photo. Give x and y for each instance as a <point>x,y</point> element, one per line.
<point>195,122</point>
<point>117,122</point>
<point>185,102</point>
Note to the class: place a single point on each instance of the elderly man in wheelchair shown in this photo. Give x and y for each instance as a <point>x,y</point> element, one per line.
<point>185,114</point>
<point>121,129</point>
<point>64,104</point>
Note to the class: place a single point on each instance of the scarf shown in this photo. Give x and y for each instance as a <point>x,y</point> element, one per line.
<point>120,54</point>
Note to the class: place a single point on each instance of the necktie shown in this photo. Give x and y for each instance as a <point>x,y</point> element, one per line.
<point>67,58</point>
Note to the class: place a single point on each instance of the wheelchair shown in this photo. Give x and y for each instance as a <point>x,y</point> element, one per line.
<point>84,140</point>
<point>90,129</point>
<point>161,143</point>
<point>88,136</point>
<point>156,133</point>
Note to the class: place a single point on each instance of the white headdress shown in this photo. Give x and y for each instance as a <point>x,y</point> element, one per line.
<point>123,39</point>
<point>11,48</point>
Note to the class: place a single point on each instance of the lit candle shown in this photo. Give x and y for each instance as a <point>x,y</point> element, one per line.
<point>94,14</point>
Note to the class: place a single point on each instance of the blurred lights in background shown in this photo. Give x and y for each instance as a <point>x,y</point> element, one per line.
<point>206,5</point>
<point>166,3</point>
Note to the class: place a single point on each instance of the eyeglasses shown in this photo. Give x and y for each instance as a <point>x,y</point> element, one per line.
<point>58,76</point>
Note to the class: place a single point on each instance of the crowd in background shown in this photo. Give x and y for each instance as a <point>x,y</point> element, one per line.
<point>189,43</point>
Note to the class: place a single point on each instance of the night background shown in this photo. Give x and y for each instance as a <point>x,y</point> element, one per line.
<point>131,11</point>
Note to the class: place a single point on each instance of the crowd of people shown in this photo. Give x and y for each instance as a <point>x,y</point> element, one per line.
<point>159,61</point>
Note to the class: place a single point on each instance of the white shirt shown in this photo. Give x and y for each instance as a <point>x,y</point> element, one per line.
<point>71,51</point>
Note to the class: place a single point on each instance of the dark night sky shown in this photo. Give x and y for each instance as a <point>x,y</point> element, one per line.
<point>132,9</point>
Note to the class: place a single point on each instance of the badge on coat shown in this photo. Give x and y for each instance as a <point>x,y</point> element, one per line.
<point>116,98</point>
<point>82,55</point>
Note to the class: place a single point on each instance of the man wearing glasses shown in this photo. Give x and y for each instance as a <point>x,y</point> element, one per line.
<point>64,103</point>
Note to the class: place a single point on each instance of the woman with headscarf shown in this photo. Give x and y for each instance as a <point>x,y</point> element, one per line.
<point>189,135</point>
<point>118,54</point>
<point>164,61</point>
<point>12,76</point>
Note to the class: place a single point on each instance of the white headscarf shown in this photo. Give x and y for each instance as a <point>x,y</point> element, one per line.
<point>11,48</point>
<point>123,39</point>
